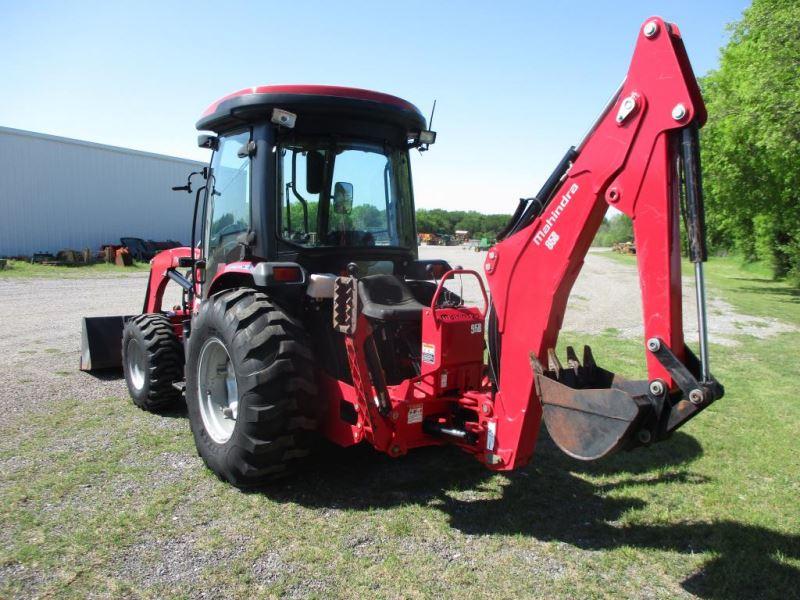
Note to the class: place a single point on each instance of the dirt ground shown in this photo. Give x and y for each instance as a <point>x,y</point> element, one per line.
<point>606,296</point>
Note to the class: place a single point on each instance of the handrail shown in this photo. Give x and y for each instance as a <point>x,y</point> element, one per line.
<point>452,272</point>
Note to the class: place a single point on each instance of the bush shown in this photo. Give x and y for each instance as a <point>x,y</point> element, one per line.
<point>614,230</point>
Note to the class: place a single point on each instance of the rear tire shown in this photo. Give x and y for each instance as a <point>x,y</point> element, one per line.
<point>250,389</point>
<point>152,359</point>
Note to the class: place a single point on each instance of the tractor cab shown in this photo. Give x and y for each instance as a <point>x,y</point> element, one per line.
<point>313,175</point>
<point>310,185</point>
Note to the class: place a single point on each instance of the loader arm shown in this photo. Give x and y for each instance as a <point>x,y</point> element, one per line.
<point>641,158</point>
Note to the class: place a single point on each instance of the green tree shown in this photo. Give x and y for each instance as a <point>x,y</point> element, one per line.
<point>617,228</point>
<point>751,142</point>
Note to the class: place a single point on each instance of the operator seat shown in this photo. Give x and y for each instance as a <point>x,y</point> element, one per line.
<point>388,298</point>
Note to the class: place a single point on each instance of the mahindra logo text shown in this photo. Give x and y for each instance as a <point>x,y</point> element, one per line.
<point>551,219</point>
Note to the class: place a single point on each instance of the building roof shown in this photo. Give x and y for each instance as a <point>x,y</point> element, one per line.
<point>109,148</point>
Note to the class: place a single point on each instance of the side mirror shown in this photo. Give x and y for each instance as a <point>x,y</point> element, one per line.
<point>205,140</point>
<point>247,150</point>
<point>315,171</point>
<point>342,198</point>
<point>200,271</point>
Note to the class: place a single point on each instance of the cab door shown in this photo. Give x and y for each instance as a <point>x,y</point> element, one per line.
<point>228,210</point>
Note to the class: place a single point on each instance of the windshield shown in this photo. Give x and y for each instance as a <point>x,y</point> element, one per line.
<point>344,194</point>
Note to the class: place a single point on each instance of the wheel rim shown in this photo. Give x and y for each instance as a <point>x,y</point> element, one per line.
<point>217,391</point>
<point>136,364</point>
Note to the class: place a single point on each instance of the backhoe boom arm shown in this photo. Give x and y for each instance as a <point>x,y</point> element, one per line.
<point>629,160</point>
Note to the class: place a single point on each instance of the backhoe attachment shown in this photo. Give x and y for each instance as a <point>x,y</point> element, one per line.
<point>641,157</point>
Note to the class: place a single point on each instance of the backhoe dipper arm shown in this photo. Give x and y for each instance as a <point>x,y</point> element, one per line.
<point>628,160</point>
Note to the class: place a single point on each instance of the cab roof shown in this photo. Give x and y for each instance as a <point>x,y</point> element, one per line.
<point>319,102</point>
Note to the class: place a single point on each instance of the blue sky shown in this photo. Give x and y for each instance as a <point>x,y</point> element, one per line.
<point>516,83</point>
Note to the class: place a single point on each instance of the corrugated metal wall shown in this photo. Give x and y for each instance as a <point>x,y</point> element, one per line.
<point>57,193</point>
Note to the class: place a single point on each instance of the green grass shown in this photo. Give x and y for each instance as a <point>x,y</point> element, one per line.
<point>95,493</point>
<point>18,268</point>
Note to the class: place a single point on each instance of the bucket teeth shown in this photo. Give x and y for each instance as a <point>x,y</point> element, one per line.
<point>581,368</point>
<point>553,364</point>
<point>572,359</point>
<point>588,359</point>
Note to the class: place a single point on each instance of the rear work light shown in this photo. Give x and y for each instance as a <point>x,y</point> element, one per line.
<point>287,274</point>
<point>283,118</point>
<point>427,137</point>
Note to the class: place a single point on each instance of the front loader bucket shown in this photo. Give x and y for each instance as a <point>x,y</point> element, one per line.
<point>101,342</point>
<point>590,412</point>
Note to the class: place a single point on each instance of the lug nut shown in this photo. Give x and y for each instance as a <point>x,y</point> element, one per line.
<point>654,344</point>
<point>656,387</point>
<point>678,112</point>
<point>650,29</point>
<point>696,396</point>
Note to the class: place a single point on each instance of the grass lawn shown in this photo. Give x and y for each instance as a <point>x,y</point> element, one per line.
<point>18,268</point>
<point>102,498</point>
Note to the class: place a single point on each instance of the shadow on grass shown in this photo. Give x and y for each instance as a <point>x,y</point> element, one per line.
<point>786,294</point>
<point>550,500</point>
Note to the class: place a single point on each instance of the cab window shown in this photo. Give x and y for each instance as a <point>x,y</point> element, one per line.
<point>228,205</point>
<point>335,193</point>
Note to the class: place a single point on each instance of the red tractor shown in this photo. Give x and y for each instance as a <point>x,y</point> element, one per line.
<point>307,314</point>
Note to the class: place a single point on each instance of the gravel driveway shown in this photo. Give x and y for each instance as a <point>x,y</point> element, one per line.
<point>606,295</point>
<point>40,324</point>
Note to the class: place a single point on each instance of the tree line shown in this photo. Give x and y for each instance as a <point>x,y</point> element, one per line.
<point>750,146</point>
<point>442,221</point>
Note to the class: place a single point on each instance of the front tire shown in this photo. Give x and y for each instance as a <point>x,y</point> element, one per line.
<point>250,389</point>
<point>152,359</point>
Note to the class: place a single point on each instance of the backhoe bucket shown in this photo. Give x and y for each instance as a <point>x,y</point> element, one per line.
<point>590,412</point>
<point>101,342</point>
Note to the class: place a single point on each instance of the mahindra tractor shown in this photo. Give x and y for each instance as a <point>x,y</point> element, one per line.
<point>306,313</point>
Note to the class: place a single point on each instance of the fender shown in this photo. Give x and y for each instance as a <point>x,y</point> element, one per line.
<point>236,274</point>
<point>259,274</point>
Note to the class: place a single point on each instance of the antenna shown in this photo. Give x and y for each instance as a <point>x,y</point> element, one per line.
<point>433,110</point>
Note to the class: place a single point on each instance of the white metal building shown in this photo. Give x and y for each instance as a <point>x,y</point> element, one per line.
<point>58,193</point>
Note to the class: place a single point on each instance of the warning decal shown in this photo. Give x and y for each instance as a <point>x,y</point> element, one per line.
<point>428,353</point>
<point>415,414</point>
